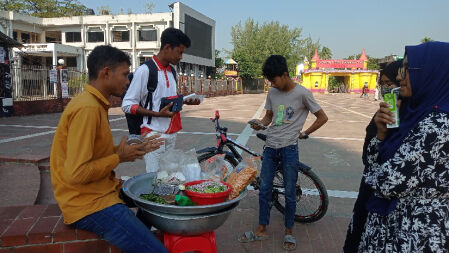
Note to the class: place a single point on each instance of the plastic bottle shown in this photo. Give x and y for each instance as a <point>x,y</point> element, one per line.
<point>184,201</point>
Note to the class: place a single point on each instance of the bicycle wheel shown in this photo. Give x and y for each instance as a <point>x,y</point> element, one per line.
<point>311,197</point>
<point>230,161</point>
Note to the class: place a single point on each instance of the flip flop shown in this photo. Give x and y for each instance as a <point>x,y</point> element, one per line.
<point>289,239</point>
<point>251,237</point>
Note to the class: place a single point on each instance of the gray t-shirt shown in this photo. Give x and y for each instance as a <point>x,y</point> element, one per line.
<point>290,110</point>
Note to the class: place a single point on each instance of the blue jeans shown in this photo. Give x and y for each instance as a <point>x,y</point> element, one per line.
<point>289,158</point>
<point>119,226</point>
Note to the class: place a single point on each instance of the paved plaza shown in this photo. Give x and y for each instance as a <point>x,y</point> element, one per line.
<point>334,153</point>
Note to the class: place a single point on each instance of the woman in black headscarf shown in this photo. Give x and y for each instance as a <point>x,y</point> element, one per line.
<point>387,81</point>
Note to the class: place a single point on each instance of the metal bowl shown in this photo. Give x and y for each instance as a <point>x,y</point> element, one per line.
<point>142,184</point>
<point>186,224</point>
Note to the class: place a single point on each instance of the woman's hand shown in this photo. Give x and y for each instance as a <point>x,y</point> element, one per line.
<point>383,117</point>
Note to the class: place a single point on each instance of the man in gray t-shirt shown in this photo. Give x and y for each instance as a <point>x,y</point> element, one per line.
<point>287,107</point>
<point>290,110</point>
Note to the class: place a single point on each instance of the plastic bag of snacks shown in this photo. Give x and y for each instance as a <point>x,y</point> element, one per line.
<point>241,177</point>
<point>177,166</point>
<point>190,166</point>
<point>215,168</point>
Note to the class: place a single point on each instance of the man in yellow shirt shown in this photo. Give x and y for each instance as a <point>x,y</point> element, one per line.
<point>83,158</point>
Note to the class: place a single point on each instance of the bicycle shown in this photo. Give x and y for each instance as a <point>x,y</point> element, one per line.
<point>311,195</point>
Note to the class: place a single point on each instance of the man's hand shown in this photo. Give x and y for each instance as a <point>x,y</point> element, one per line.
<point>192,101</point>
<point>129,153</point>
<point>153,143</point>
<point>383,117</point>
<point>256,124</point>
<point>165,112</point>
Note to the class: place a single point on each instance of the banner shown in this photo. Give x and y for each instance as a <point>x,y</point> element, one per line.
<point>339,64</point>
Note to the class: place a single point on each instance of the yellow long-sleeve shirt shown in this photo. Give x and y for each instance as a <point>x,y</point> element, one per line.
<point>83,158</point>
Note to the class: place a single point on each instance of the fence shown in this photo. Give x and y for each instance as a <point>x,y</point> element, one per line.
<point>32,83</point>
<point>209,87</point>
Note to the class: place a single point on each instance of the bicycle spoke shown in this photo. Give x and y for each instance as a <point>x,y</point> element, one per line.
<point>308,200</point>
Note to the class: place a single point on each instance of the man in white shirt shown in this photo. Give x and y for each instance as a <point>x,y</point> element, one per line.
<point>158,120</point>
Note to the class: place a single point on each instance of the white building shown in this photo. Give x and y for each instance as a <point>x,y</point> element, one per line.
<point>72,38</point>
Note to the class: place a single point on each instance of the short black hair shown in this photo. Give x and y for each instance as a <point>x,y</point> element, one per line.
<point>391,71</point>
<point>174,37</point>
<point>105,56</point>
<point>275,65</point>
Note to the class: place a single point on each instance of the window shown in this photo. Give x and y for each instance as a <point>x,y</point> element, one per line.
<point>73,37</point>
<point>53,36</point>
<point>143,59</point>
<point>147,35</point>
<point>71,62</point>
<point>120,36</point>
<point>95,36</point>
<point>25,38</point>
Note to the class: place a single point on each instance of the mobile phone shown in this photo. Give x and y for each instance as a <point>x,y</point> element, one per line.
<point>253,122</point>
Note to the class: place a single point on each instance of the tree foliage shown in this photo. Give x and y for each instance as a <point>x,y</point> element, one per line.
<point>45,8</point>
<point>325,53</point>
<point>372,62</point>
<point>219,62</point>
<point>253,43</point>
<point>426,39</point>
<point>104,10</point>
<point>150,7</point>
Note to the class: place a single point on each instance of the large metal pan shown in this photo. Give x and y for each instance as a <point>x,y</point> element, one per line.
<point>142,184</point>
<point>186,224</point>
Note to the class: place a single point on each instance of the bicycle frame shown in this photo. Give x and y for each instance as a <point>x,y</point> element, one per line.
<point>224,141</point>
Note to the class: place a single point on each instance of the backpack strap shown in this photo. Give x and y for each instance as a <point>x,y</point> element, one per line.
<point>151,85</point>
<point>173,71</point>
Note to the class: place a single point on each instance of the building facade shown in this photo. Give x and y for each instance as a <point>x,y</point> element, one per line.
<point>72,38</point>
<point>354,74</point>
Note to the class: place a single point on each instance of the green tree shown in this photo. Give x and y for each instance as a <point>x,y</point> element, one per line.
<point>253,43</point>
<point>45,8</point>
<point>325,53</point>
<point>309,47</point>
<point>150,7</point>
<point>219,62</point>
<point>426,39</point>
<point>104,10</point>
<point>372,62</point>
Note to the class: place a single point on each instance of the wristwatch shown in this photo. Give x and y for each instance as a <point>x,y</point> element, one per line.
<point>304,135</point>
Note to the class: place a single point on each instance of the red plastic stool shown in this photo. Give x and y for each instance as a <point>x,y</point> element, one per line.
<point>204,243</point>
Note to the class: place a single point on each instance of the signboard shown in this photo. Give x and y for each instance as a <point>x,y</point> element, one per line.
<point>230,73</point>
<point>53,73</point>
<point>339,64</point>
<point>2,55</point>
<point>64,83</point>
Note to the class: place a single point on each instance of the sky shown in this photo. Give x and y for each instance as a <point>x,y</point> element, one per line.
<point>381,27</point>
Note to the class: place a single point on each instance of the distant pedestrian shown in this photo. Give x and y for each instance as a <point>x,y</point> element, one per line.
<point>376,93</point>
<point>364,90</point>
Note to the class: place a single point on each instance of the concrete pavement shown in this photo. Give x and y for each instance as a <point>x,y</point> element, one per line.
<point>334,152</point>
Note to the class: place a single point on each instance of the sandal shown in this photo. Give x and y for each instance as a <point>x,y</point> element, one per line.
<point>251,237</point>
<point>289,239</point>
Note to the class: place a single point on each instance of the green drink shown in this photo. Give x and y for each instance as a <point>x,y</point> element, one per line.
<point>392,100</point>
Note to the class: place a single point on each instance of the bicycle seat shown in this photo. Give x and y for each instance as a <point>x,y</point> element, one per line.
<point>262,136</point>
